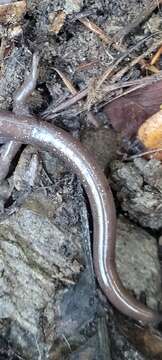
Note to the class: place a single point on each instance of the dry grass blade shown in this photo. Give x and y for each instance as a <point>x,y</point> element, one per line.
<point>86,65</point>
<point>90,116</point>
<point>112,68</point>
<point>64,105</point>
<point>153,69</point>
<point>156,56</point>
<point>96,29</point>
<point>67,82</point>
<point>145,153</point>
<point>101,34</point>
<point>147,80</point>
<point>137,60</point>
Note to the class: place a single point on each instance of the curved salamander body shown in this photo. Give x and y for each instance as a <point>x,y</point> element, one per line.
<point>28,130</point>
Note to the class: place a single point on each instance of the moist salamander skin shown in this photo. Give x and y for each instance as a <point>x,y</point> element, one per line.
<point>28,130</point>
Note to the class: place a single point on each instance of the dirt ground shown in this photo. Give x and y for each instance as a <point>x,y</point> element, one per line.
<point>50,304</point>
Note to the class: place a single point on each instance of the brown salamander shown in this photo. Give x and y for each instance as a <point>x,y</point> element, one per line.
<point>28,130</point>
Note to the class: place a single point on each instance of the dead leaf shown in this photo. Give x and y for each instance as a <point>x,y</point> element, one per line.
<point>156,56</point>
<point>57,20</point>
<point>128,112</point>
<point>150,134</point>
<point>12,13</point>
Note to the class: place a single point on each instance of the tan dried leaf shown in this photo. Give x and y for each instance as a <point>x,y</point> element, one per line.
<point>150,134</point>
<point>57,20</point>
<point>13,12</point>
<point>130,111</point>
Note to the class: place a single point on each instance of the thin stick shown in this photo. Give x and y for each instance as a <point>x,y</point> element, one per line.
<point>100,33</point>
<point>139,84</point>
<point>156,56</point>
<point>73,100</point>
<point>66,81</point>
<point>83,93</point>
<point>111,69</point>
<point>136,61</point>
<point>90,116</point>
<point>153,151</point>
<point>108,89</point>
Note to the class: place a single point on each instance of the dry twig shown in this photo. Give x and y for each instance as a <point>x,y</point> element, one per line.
<point>156,56</point>
<point>116,77</point>
<point>64,105</point>
<point>86,65</point>
<point>145,153</point>
<point>67,82</point>
<point>137,60</point>
<point>133,84</point>
<point>102,35</point>
<point>90,116</point>
<point>112,68</point>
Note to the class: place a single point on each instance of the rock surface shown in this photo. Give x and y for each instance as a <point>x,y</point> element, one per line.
<point>35,257</point>
<point>137,262</point>
<point>139,189</point>
<point>102,144</point>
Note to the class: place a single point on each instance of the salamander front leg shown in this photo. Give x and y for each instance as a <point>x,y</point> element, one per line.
<point>10,148</point>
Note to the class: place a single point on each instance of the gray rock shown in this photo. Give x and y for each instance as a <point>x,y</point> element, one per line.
<point>102,144</point>
<point>139,190</point>
<point>73,6</point>
<point>35,256</point>
<point>137,262</point>
<point>121,348</point>
<point>54,167</point>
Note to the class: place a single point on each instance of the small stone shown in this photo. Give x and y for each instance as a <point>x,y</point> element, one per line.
<point>35,257</point>
<point>14,32</point>
<point>139,189</point>
<point>72,6</point>
<point>153,24</point>
<point>27,170</point>
<point>137,262</point>
<point>102,144</point>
